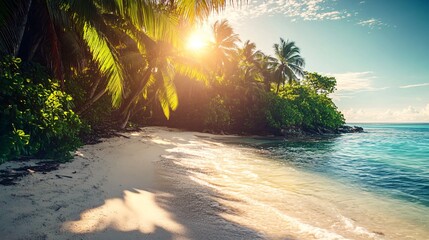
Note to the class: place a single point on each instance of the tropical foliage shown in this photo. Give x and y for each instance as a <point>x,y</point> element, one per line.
<point>36,117</point>
<point>289,64</point>
<point>255,93</point>
<point>126,60</point>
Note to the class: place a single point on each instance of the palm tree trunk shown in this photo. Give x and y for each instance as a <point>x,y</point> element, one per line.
<point>21,29</point>
<point>57,62</point>
<point>267,86</point>
<point>125,120</point>
<point>94,87</point>
<point>93,96</point>
<point>34,48</point>
<point>125,109</point>
<point>91,101</point>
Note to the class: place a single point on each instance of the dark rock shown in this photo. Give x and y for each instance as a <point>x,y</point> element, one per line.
<point>319,131</point>
<point>292,132</point>
<point>358,129</point>
<point>350,129</point>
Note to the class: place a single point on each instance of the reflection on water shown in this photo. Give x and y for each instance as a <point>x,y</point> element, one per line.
<point>386,159</point>
<point>276,198</point>
<point>326,188</point>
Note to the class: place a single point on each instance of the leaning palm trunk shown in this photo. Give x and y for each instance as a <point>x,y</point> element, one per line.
<point>21,29</point>
<point>126,106</point>
<point>57,61</point>
<point>34,48</point>
<point>267,84</point>
<point>278,88</point>
<point>91,101</point>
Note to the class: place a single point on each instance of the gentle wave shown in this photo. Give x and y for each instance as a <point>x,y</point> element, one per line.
<point>278,195</point>
<point>386,159</point>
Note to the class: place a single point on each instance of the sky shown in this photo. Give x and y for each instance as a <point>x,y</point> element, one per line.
<point>378,50</point>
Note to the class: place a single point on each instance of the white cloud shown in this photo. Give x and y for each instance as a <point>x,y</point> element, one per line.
<point>296,9</point>
<point>307,10</point>
<point>408,114</point>
<point>415,85</point>
<point>354,81</point>
<point>351,83</point>
<point>372,23</point>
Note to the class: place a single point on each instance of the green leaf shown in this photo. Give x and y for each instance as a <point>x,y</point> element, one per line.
<point>107,61</point>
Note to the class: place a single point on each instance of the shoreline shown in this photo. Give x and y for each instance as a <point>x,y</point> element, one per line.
<point>103,197</point>
<point>161,183</point>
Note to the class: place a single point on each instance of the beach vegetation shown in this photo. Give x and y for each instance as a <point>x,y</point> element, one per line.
<point>109,63</point>
<point>250,92</point>
<point>289,65</point>
<point>36,116</point>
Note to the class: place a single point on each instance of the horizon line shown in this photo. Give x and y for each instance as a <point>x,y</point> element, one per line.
<point>387,123</point>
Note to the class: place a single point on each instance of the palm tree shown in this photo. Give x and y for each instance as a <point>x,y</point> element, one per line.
<point>41,25</point>
<point>156,76</point>
<point>144,21</point>
<point>250,76</point>
<point>289,66</point>
<point>249,62</point>
<point>224,45</point>
<point>266,65</point>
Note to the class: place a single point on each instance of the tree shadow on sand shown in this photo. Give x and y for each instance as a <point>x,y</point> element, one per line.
<point>182,208</point>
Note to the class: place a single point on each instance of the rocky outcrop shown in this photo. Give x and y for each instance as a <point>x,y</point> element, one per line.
<point>300,132</point>
<point>350,129</point>
<point>292,132</point>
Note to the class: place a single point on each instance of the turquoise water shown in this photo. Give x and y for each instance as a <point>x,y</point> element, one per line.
<point>387,159</point>
<point>371,185</point>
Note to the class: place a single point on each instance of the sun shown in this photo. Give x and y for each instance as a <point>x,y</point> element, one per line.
<point>197,41</point>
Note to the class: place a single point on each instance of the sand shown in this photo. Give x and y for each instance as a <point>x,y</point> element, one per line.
<point>161,183</point>
<point>120,188</point>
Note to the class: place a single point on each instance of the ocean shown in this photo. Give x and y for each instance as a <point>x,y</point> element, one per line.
<point>370,185</point>
<point>388,159</point>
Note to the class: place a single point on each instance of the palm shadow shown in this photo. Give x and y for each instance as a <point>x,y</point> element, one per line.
<point>177,207</point>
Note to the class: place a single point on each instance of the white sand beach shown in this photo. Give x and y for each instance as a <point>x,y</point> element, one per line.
<point>161,183</point>
<point>112,190</point>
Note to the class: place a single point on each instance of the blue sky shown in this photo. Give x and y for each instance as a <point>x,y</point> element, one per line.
<point>377,49</point>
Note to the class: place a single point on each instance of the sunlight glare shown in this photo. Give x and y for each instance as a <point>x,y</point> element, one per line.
<point>197,41</point>
<point>137,210</point>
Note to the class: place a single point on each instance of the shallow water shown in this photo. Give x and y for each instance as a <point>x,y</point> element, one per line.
<point>372,185</point>
<point>392,160</point>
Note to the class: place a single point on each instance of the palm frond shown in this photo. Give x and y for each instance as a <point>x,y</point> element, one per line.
<point>83,11</point>
<point>190,71</point>
<point>149,83</point>
<point>224,35</point>
<point>9,11</point>
<point>163,27</point>
<point>198,9</point>
<point>146,17</point>
<point>167,94</point>
<point>13,20</point>
<point>289,66</point>
<point>194,9</point>
<point>106,58</point>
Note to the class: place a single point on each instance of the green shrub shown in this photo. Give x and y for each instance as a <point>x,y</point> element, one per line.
<point>281,113</point>
<point>316,110</point>
<point>218,116</point>
<point>36,117</point>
